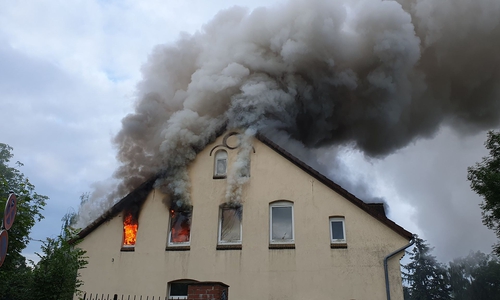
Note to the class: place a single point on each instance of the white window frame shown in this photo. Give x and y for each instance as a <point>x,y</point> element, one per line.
<point>169,241</point>
<point>218,157</point>
<point>281,204</point>
<point>337,219</point>
<point>221,242</point>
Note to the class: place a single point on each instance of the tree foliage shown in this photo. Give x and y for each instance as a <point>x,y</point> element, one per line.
<point>484,179</point>
<point>29,211</point>
<point>476,276</point>
<point>55,276</point>
<point>427,279</point>
<point>58,267</point>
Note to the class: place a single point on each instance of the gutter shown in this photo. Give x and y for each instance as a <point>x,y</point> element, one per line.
<point>387,287</point>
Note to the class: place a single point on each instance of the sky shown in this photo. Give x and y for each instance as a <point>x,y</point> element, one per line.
<point>68,75</point>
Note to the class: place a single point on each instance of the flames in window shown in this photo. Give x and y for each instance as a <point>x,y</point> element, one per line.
<point>180,226</point>
<point>129,230</point>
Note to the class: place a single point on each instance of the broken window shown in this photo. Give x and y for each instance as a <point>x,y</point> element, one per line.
<point>180,227</point>
<point>220,167</point>
<point>337,230</point>
<point>230,225</point>
<point>129,230</point>
<point>281,221</point>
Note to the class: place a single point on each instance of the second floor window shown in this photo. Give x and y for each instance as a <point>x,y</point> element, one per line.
<point>230,225</point>
<point>281,222</point>
<point>130,226</point>
<point>337,230</point>
<point>180,227</point>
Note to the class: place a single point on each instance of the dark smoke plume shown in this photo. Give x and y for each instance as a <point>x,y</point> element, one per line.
<point>372,74</point>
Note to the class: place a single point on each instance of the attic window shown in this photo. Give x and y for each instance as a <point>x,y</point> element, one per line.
<point>180,227</point>
<point>220,164</point>
<point>230,225</point>
<point>130,226</point>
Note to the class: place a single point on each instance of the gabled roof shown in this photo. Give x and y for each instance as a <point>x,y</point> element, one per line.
<point>140,194</point>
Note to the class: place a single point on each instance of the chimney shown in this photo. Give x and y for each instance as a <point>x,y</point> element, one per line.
<point>208,291</point>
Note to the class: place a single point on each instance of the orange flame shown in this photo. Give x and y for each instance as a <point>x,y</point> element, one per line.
<point>180,231</point>
<point>129,230</point>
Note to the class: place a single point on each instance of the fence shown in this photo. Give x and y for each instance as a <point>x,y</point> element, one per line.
<point>126,297</point>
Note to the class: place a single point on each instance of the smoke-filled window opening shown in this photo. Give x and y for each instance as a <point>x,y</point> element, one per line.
<point>230,225</point>
<point>180,226</point>
<point>220,164</point>
<point>178,289</point>
<point>281,222</point>
<point>130,226</point>
<point>337,232</point>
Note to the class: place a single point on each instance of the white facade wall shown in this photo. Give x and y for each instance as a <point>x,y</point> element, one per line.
<point>310,271</point>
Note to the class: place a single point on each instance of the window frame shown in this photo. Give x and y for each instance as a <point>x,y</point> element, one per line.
<point>135,220</point>
<point>182,281</point>
<point>219,240</point>
<point>217,157</point>
<point>169,238</point>
<point>337,219</point>
<point>281,203</point>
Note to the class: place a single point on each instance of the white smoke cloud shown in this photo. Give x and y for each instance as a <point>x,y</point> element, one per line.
<point>373,74</point>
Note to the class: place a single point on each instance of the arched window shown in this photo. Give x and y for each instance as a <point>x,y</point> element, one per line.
<point>281,222</point>
<point>220,164</point>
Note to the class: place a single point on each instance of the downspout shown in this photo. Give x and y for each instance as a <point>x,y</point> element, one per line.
<point>386,271</point>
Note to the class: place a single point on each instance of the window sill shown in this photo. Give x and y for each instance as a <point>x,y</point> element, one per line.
<point>282,246</point>
<point>177,248</point>
<point>127,249</point>
<point>219,176</point>
<point>229,247</point>
<point>338,245</point>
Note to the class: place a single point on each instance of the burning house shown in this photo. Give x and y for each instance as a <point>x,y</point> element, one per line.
<point>263,223</point>
<point>214,199</point>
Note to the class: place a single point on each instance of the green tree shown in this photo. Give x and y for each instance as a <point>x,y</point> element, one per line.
<point>484,179</point>
<point>476,276</point>
<point>29,211</point>
<point>426,278</point>
<point>58,267</point>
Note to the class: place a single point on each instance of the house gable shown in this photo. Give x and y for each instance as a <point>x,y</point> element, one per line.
<point>308,267</point>
<point>139,195</point>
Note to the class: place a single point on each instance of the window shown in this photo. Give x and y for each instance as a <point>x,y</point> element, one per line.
<point>337,230</point>
<point>230,225</point>
<point>180,227</point>
<point>220,164</point>
<point>281,222</point>
<point>130,226</point>
<point>179,289</point>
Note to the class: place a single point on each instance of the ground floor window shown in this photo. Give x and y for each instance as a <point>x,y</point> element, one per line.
<point>179,289</point>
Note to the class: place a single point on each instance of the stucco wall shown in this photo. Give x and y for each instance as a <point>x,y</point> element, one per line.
<point>310,271</point>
